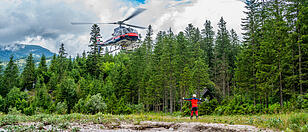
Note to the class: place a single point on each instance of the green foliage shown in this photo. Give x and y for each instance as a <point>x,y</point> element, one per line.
<point>2,101</point>
<point>91,105</point>
<point>298,122</point>
<point>16,98</point>
<point>265,73</point>
<point>28,75</point>
<point>10,77</point>
<point>207,107</point>
<point>14,111</point>
<point>137,108</point>
<point>66,91</point>
<point>61,108</point>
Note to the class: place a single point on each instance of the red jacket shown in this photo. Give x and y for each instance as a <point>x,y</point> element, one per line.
<point>194,101</point>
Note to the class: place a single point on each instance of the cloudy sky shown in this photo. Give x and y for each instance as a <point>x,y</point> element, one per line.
<point>47,22</point>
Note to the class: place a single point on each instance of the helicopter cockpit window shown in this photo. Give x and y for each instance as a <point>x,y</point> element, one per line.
<point>122,32</point>
<point>126,31</point>
<point>134,31</point>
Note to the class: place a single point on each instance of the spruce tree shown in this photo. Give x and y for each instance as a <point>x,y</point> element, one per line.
<point>42,69</point>
<point>208,44</point>
<point>11,77</point>
<point>93,56</point>
<point>222,48</point>
<point>246,65</point>
<point>28,75</point>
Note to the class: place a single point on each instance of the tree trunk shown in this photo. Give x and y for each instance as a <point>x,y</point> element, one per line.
<point>280,85</point>
<point>170,95</point>
<point>300,68</point>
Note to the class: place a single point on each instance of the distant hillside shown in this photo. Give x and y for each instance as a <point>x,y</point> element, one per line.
<point>21,51</point>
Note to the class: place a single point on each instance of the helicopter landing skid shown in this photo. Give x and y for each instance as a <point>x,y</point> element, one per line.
<point>124,45</point>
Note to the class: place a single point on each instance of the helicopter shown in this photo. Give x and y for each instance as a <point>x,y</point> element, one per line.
<point>123,36</point>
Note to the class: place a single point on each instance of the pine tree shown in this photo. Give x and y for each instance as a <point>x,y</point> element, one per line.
<point>246,65</point>
<point>62,53</point>
<point>93,57</point>
<point>222,48</point>
<point>66,92</point>
<point>42,69</point>
<point>208,44</point>
<point>185,83</point>
<point>41,99</point>
<point>11,77</point>
<point>200,76</point>
<point>28,76</point>
<point>61,62</point>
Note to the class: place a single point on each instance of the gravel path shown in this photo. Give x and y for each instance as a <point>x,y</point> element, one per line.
<point>149,126</point>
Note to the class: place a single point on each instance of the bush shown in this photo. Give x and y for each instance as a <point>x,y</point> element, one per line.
<point>95,104</point>
<point>29,110</point>
<point>274,108</point>
<point>122,108</point>
<point>1,103</point>
<point>61,108</point>
<point>14,111</point>
<point>16,98</point>
<point>138,108</point>
<point>92,104</point>
<point>186,108</point>
<point>298,122</point>
<point>207,108</point>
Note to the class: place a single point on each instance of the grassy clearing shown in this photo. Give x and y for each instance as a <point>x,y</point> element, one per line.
<point>288,122</point>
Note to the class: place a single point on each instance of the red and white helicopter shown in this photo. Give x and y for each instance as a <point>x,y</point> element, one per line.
<point>123,37</point>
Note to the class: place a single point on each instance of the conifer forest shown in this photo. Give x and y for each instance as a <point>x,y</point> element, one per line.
<point>263,72</point>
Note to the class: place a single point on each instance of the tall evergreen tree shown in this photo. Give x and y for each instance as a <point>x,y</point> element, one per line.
<point>93,57</point>
<point>208,44</point>
<point>222,48</point>
<point>11,77</point>
<point>42,69</point>
<point>28,75</point>
<point>246,66</point>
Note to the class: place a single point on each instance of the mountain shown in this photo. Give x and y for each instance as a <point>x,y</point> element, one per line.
<point>21,51</point>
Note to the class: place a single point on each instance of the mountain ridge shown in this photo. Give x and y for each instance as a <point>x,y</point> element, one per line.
<point>20,51</point>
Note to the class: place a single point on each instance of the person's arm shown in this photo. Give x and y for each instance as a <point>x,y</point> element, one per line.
<point>186,99</point>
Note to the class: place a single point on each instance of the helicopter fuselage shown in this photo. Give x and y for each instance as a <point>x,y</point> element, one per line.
<point>122,36</point>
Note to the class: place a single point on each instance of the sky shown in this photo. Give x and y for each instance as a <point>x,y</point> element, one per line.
<point>47,22</point>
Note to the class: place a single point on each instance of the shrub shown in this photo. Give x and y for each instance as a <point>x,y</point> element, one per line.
<point>298,122</point>
<point>61,108</point>
<point>14,111</point>
<point>207,108</point>
<point>29,110</point>
<point>274,108</point>
<point>80,106</point>
<point>136,108</point>
<point>92,104</point>
<point>16,98</point>
<point>186,108</point>
<point>95,104</point>
<point>1,103</point>
<point>122,108</point>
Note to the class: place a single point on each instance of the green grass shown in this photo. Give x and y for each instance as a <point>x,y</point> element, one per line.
<point>288,122</point>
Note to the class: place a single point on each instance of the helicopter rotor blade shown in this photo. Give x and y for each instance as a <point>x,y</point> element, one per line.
<point>134,26</point>
<point>138,11</point>
<point>81,23</point>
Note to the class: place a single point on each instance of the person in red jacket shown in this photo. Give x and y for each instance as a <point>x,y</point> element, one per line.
<point>194,105</point>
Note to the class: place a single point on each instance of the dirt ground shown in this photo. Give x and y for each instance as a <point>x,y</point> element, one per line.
<point>148,126</point>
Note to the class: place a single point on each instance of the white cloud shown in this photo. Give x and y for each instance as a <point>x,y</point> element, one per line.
<point>48,22</point>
